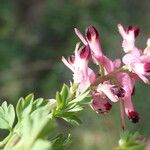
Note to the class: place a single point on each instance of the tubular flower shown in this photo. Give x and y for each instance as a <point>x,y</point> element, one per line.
<point>78,63</point>
<point>113,92</point>
<point>139,65</point>
<point>92,39</point>
<point>112,83</point>
<point>128,85</point>
<point>137,61</point>
<point>100,103</point>
<point>129,36</point>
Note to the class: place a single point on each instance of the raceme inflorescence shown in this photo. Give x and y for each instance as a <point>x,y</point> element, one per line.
<point>112,82</point>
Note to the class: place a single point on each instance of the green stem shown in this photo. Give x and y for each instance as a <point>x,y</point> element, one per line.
<point>13,140</point>
<point>2,143</point>
<point>102,71</point>
<point>110,75</point>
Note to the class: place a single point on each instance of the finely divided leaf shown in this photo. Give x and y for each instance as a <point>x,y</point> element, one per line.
<point>64,92</point>
<point>24,106</point>
<point>61,142</point>
<point>7,116</point>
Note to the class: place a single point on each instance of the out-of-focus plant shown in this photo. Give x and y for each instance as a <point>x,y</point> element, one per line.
<point>129,141</point>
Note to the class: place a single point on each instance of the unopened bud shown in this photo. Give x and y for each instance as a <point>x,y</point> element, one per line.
<point>92,33</point>
<point>134,116</point>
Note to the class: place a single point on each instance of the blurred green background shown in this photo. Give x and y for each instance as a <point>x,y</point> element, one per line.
<point>34,34</point>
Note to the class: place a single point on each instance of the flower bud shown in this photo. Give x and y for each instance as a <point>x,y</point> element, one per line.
<point>100,104</point>
<point>133,116</point>
<point>91,33</point>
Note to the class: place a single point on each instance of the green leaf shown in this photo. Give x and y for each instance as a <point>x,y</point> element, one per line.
<point>61,142</point>
<point>129,141</point>
<point>40,104</point>
<point>64,92</point>
<point>7,116</point>
<point>73,87</point>
<point>61,98</point>
<point>58,99</point>
<point>80,98</point>
<point>24,106</point>
<point>76,108</point>
<point>74,120</point>
<point>42,145</point>
<point>2,143</point>
<point>34,127</point>
<point>37,126</point>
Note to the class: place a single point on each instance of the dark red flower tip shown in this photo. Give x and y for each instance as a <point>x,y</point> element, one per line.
<point>117,90</point>
<point>105,108</point>
<point>147,67</point>
<point>134,116</point>
<point>71,59</point>
<point>108,106</point>
<point>91,33</point>
<point>133,91</point>
<point>85,52</point>
<point>135,29</point>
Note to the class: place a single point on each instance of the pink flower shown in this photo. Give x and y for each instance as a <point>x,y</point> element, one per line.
<point>100,103</point>
<point>129,36</point>
<point>137,61</point>
<point>82,74</point>
<point>92,39</point>
<point>139,65</point>
<point>109,65</point>
<point>113,92</point>
<point>127,84</point>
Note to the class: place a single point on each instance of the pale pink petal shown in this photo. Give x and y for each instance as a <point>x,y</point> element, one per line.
<point>92,37</point>
<point>145,58</point>
<point>67,64</point>
<point>122,31</point>
<point>117,63</point>
<point>126,82</point>
<point>108,64</point>
<point>144,79</point>
<point>128,36</point>
<point>128,104</point>
<point>106,89</point>
<point>147,49</point>
<point>129,110</point>
<point>138,68</point>
<point>91,76</point>
<point>122,115</point>
<point>129,58</point>
<point>81,37</point>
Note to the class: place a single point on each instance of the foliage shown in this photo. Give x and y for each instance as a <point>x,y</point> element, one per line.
<point>36,120</point>
<point>129,141</point>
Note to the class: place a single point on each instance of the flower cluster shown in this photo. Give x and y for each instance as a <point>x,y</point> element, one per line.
<point>113,82</point>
